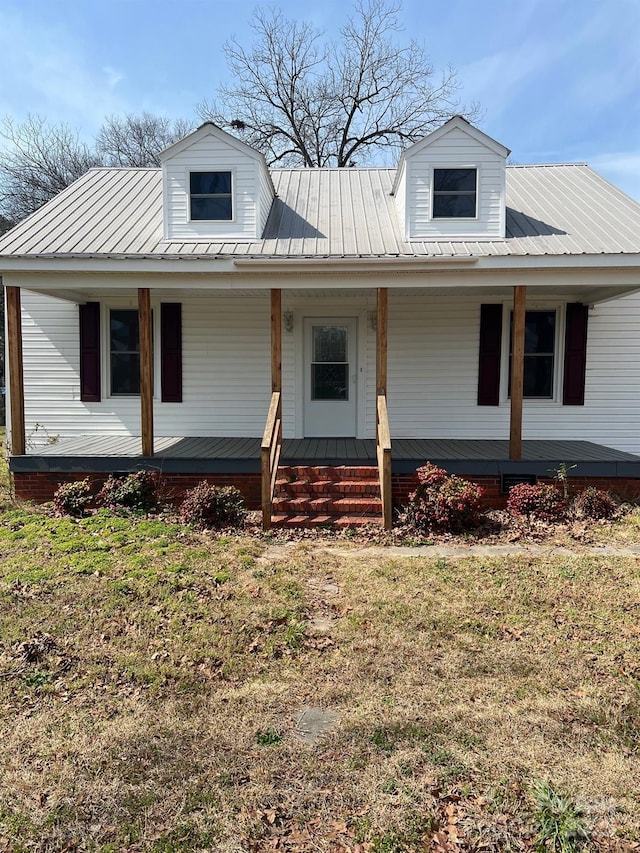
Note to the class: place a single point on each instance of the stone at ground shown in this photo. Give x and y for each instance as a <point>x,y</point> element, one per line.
<point>311,723</point>
<point>321,624</point>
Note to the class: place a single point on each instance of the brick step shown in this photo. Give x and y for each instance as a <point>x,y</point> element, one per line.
<point>328,505</point>
<point>323,520</point>
<point>311,473</point>
<point>302,488</point>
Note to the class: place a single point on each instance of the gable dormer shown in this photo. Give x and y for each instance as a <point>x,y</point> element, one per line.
<point>451,185</point>
<point>214,187</point>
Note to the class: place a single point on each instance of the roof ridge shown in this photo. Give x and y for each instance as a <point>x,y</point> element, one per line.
<point>543,165</point>
<point>124,169</point>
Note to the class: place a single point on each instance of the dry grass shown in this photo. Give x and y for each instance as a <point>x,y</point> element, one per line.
<point>142,665</point>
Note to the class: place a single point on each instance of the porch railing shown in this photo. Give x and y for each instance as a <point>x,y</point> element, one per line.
<point>270,456</point>
<point>383,448</point>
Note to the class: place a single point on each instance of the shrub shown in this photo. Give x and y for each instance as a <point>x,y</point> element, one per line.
<point>594,503</point>
<point>443,502</point>
<point>73,498</point>
<point>213,507</point>
<point>540,501</point>
<point>139,492</point>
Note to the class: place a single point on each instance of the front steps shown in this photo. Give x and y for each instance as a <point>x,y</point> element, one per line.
<point>321,496</point>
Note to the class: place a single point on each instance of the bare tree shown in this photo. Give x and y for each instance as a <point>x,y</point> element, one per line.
<point>136,140</point>
<point>38,161</point>
<point>303,100</point>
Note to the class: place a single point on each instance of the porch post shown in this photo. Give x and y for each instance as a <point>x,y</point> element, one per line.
<point>276,340</point>
<point>517,371</point>
<point>146,370</point>
<point>381,341</point>
<point>16,370</point>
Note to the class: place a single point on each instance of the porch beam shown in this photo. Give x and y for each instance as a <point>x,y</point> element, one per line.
<point>146,370</point>
<point>381,340</point>
<point>16,370</point>
<point>517,371</point>
<point>276,340</point>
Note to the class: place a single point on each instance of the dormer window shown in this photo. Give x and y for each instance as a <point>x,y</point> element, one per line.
<point>454,193</point>
<point>211,196</point>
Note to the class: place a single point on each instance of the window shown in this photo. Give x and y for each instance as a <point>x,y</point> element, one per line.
<point>210,195</point>
<point>539,353</point>
<point>454,193</point>
<point>330,367</point>
<point>124,352</point>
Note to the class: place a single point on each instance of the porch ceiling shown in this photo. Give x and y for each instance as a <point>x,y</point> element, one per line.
<point>589,294</point>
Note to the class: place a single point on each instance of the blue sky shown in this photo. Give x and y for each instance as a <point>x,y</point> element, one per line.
<point>558,80</point>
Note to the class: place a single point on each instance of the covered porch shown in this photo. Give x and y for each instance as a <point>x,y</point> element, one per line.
<point>381,339</point>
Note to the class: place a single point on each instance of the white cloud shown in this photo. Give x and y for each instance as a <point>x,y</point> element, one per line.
<point>113,76</point>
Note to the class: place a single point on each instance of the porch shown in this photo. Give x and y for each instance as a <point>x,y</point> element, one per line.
<point>185,461</point>
<point>206,455</point>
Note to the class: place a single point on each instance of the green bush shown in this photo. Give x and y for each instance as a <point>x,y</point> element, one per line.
<point>213,507</point>
<point>443,502</point>
<point>139,492</point>
<point>538,501</point>
<point>594,503</point>
<point>73,498</point>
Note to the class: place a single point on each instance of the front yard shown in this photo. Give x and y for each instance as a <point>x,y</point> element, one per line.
<point>155,683</point>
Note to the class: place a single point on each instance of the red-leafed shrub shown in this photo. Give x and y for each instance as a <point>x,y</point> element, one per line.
<point>212,507</point>
<point>139,492</point>
<point>540,501</point>
<point>594,503</point>
<point>443,502</point>
<point>73,498</point>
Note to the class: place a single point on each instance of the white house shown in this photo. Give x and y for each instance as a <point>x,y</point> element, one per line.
<point>455,309</point>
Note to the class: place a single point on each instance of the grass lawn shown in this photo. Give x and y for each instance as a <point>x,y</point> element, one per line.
<point>151,679</point>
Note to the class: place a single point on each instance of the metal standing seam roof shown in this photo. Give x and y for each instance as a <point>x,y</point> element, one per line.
<point>331,213</point>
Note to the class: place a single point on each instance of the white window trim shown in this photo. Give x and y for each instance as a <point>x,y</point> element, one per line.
<point>105,333</point>
<point>558,362</point>
<point>432,172</point>
<point>232,172</point>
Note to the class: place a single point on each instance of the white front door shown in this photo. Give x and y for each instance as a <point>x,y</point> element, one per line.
<point>330,373</point>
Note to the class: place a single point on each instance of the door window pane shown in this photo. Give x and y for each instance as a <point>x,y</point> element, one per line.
<point>330,343</point>
<point>329,382</point>
<point>329,366</point>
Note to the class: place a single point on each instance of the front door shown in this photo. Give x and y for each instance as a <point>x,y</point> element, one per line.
<point>330,377</point>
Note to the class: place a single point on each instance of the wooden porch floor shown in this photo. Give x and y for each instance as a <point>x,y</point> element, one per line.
<point>227,455</point>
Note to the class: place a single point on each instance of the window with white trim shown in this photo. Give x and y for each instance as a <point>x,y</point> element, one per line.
<point>540,345</point>
<point>124,352</point>
<point>455,193</point>
<point>210,196</point>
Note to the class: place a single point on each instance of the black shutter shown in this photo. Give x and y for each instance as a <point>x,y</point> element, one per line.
<point>575,354</point>
<point>90,391</point>
<point>171,352</point>
<point>489,356</point>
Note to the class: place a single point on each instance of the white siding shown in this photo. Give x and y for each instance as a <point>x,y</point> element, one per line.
<point>433,370</point>
<point>400,193</point>
<point>251,189</point>
<point>265,198</point>
<point>226,372</point>
<point>455,149</point>
<point>433,376</point>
